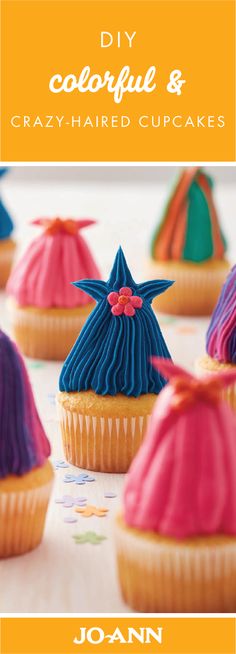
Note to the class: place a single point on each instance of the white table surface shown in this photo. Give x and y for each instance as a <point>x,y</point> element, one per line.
<point>61,576</point>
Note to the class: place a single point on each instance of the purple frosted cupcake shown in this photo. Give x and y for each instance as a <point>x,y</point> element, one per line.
<point>221,336</point>
<point>26,475</point>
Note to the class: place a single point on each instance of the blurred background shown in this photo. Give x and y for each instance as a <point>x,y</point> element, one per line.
<point>113,174</point>
<point>127,203</point>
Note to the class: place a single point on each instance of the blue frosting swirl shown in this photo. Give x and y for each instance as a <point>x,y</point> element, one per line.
<point>6,224</point>
<point>112,353</point>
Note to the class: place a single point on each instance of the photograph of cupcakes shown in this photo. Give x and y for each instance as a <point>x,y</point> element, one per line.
<point>176,536</point>
<point>7,243</point>
<point>26,475</point>
<point>189,247</point>
<point>47,312</point>
<point>221,337</point>
<point>107,384</point>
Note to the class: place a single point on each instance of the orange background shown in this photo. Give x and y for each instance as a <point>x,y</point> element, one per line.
<point>41,38</point>
<point>56,635</point>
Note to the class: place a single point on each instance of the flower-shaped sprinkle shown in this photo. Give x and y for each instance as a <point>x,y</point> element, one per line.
<point>124,302</point>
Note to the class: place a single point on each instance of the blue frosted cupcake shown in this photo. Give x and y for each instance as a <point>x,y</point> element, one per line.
<point>7,244</point>
<point>107,385</point>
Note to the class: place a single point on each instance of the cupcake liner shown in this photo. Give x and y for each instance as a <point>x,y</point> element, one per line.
<point>106,444</point>
<point>201,368</point>
<point>6,261</point>
<point>45,335</point>
<point>22,516</point>
<point>196,289</point>
<point>164,576</point>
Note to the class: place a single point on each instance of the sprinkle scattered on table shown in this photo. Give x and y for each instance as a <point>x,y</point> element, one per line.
<point>167,320</point>
<point>89,537</point>
<point>60,464</point>
<point>68,501</point>
<point>88,511</point>
<point>110,495</point>
<point>186,329</point>
<point>52,398</point>
<point>70,519</point>
<point>80,479</point>
<point>35,364</point>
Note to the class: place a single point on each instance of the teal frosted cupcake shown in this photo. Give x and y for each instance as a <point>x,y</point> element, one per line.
<point>189,247</point>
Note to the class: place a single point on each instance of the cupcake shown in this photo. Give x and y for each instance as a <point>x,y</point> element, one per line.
<point>189,247</point>
<point>107,384</point>
<point>47,312</point>
<point>7,244</point>
<point>26,475</point>
<point>221,337</point>
<point>176,536</point>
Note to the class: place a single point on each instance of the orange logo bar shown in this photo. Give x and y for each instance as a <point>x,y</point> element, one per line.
<point>116,635</point>
<point>139,81</point>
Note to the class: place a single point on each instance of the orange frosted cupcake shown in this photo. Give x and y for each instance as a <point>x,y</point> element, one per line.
<point>221,337</point>
<point>26,475</point>
<point>108,386</point>
<point>7,244</point>
<point>176,536</point>
<point>189,247</point>
<point>46,311</point>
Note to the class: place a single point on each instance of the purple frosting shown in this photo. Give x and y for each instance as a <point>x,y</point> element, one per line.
<point>221,334</point>
<point>23,442</point>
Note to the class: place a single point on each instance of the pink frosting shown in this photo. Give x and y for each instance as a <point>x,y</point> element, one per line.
<point>59,256</point>
<point>182,482</point>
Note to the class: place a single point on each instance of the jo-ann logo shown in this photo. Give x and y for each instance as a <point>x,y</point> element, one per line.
<point>96,636</point>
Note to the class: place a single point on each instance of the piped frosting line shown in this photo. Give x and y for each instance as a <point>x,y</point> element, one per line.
<point>221,335</point>
<point>165,233</point>
<point>218,246</point>
<point>24,444</point>
<point>177,236</point>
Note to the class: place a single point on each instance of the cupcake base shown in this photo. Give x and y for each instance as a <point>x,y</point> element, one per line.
<point>47,333</point>
<point>103,433</point>
<point>23,507</point>
<point>7,251</point>
<point>159,574</point>
<point>207,365</point>
<point>196,288</point>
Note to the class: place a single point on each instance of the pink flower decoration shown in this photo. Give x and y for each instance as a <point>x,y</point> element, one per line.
<point>124,302</point>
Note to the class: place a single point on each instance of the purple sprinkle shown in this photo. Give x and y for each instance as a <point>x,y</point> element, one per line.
<point>80,479</point>
<point>70,519</point>
<point>68,501</point>
<point>110,494</point>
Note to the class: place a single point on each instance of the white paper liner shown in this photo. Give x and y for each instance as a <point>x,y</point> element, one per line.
<point>101,443</point>
<point>189,276</point>
<point>37,320</point>
<point>22,517</point>
<point>195,290</point>
<point>164,577</point>
<point>48,336</point>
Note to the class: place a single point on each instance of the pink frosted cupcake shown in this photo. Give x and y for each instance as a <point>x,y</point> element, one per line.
<point>47,311</point>
<point>176,537</point>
